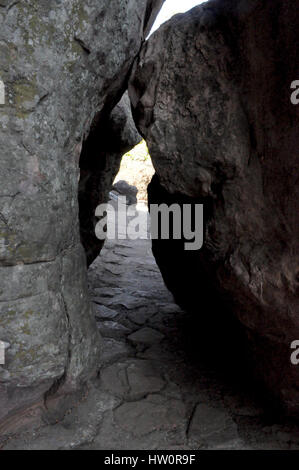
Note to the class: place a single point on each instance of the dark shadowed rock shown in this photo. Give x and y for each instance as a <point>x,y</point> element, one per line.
<point>211,95</point>
<point>64,64</point>
<point>125,189</point>
<point>213,426</point>
<point>146,336</point>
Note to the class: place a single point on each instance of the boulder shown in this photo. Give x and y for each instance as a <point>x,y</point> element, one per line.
<point>210,93</point>
<point>63,64</point>
<point>125,189</point>
<point>111,136</point>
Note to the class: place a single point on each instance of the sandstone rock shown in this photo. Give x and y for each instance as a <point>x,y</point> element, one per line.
<point>64,66</point>
<point>211,96</point>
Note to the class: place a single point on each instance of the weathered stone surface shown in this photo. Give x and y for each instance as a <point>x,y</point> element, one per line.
<point>104,313</point>
<point>79,427</point>
<point>130,302</point>
<point>146,336</point>
<point>113,350</point>
<point>114,379</point>
<point>212,426</point>
<point>64,64</point>
<point>143,379</point>
<point>211,95</point>
<point>187,406</point>
<point>149,416</point>
<point>132,380</point>
<point>112,329</point>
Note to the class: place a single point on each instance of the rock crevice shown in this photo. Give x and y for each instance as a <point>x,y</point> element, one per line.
<point>210,93</point>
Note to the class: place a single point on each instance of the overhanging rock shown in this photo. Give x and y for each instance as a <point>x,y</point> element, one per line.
<point>211,95</point>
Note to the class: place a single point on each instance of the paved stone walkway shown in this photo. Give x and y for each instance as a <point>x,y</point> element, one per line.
<point>150,392</point>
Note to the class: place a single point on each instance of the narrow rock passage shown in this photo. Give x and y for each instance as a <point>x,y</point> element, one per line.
<point>161,401</point>
<point>149,394</point>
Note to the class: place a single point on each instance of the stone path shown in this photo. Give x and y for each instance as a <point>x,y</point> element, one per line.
<point>150,392</point>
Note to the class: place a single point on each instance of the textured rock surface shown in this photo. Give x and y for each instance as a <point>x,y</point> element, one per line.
<point>63,64</point>
<point>123,188</point>
<point>211,95</point>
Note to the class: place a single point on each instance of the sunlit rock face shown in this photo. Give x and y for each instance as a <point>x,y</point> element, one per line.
<point>211,95</point>
<point>62,63</point>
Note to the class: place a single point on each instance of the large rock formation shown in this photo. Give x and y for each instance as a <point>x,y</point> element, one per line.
<point>211,95</point>
<point>63,64</point>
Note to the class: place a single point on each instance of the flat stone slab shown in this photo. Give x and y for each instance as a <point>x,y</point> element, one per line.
<point>104,313</point>
<point>147,395</point>
<point>146,336</point>
<point>145,416</point>
<point>132,380</point>
<point>140,316</point>
<point>143,379</point>
<point>128,301</point>
<point>169,308</point>
<point>109,292</point>
<point>114,380</point>
<point>212,426</point>
<point>112,329</point>
<point>113,350</point>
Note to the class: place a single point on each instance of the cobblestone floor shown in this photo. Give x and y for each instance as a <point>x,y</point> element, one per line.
<point>150,392</point>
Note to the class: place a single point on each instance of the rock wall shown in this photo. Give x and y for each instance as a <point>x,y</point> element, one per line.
<point>62,64</point>
<point>211,95</point>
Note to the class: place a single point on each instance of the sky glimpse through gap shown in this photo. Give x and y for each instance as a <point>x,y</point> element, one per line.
<point>171,7</point>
